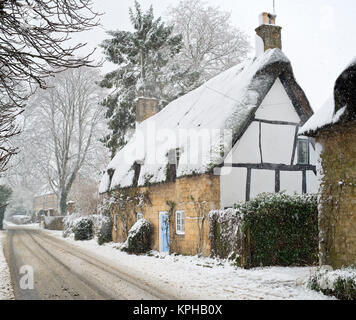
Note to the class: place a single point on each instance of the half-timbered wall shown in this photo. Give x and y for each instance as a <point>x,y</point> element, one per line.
<point>265,158</point>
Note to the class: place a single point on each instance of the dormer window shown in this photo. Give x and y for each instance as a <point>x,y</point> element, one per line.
<point>111,174</point>
<point>137,170</point>
<point>303,151</point>
<point>173,160</point>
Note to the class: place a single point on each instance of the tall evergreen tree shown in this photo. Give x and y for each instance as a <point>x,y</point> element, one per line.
<point>145,68</point>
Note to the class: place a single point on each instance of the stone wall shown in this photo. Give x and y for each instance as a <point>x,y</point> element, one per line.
<point>53,223</point>
<point>196,195</point>
<point>337,208</point>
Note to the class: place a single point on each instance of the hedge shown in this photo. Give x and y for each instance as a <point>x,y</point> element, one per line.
<point>84,229</point>
<point>339,283</point>
<point>139,238</point>
<point>274,229</point>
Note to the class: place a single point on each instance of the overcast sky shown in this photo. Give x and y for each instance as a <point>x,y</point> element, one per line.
<point>318,36</point>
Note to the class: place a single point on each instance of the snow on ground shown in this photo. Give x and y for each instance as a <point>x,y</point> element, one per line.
<point>206,278</point>
<point>6,292</point>
<point>22,226</point>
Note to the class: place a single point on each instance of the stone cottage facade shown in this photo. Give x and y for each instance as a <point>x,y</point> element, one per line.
<point>224,142</point>
<point>46,202</point>
<point>334,128</point>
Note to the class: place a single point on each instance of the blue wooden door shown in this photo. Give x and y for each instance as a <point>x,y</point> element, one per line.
<point>164,232</point>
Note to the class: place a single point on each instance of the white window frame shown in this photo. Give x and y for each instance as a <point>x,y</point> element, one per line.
<point>139,216</point>
<point>180,222</point>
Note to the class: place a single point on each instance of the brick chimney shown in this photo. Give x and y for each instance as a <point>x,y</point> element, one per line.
<point>145,108</point>
<point>268,34</point>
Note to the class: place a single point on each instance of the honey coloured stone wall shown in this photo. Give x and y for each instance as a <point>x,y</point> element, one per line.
<point>196,195</point>
<point>337,206</point>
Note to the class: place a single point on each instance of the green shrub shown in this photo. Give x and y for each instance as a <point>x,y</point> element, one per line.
<point>83,229</point>
<point>282,230</point>
<point>139,238</point>
<point>339,283</point>
<point>105,231</point>
<point>272,229</point>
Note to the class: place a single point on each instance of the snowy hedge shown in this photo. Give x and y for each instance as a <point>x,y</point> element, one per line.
<point>272,229</point>
<point>84,229</point>
<point>339,283</point>
<point>104,232</point>
<point>69,223</point>
<point>139,238</point>
<point>101,226</point>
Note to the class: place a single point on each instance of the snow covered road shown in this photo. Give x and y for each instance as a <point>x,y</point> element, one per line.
<point>68,269</point>
<point>63,271</point>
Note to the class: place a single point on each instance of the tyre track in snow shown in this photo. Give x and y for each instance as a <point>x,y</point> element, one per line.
<point>63,271</point>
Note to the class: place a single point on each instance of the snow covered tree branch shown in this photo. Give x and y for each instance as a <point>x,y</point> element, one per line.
<point>211,43</point>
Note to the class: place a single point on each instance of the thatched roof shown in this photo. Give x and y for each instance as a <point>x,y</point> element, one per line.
<point>339,109</point>
<point>226,102</point>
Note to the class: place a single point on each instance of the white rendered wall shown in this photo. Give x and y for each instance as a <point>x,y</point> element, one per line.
<point>247,150</point>
<point>262,181</point>
<point>291,181</point>
<point>277,143</point>
<point>312,182</point>
<point>232,186</point>
<point>277,105</point>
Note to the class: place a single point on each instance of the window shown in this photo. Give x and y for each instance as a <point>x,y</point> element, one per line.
<point>180,222</point>
<point>111,174</point>
<point>137,170</point>
<point>303,151</point>
<point>173,160</point>
<point>139,216</point>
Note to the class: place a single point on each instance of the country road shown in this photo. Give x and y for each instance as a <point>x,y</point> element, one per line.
<point>64,271</point>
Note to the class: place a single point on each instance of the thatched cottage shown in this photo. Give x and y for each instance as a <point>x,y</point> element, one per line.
<point>334,128</point>
<point>224,142</point>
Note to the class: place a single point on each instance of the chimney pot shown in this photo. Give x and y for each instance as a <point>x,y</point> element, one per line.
<point>268,34</point>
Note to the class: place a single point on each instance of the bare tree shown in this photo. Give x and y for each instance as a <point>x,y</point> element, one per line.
<point>65,128</point>
<point>34,38</point>
<point>85,195</point>
<point>211,43</point>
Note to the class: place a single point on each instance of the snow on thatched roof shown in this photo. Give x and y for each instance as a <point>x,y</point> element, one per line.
<point>340,108</point>
<point>226,102</point>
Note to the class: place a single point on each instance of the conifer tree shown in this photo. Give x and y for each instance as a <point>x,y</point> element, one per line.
<point>145,60</point>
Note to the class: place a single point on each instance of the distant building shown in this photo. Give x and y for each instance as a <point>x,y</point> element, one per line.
<point>48,202</point>
<point>334,128</point>
<point>260,104</point>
